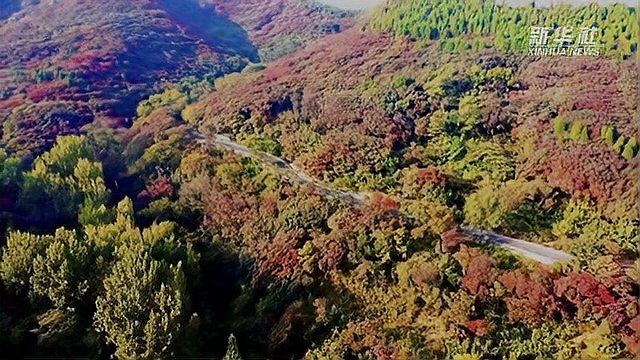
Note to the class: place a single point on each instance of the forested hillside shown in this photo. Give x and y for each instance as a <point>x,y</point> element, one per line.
<point>279,27</point>
<point>470,139</point>
<point>68,63</point>
<point>461,26</point>
<point>158,243</point>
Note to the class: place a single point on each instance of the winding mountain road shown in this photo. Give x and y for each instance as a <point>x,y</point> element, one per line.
<point>290,171</point>
<point>537,252</point>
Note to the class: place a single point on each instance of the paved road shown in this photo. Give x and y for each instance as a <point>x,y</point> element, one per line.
<point>537,252</point>
<point>290,171</point>
<point>542,254</point>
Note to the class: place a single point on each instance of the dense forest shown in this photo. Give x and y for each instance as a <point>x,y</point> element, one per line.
<point>128,235</point>
<point>461,26</point>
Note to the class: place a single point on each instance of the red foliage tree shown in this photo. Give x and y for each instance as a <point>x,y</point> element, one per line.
<point>452,239</point>
<point>584,291</point>
<point>532,298</point>
<point>332,254</point>
<point>431,175</point>
<point>478,327</point>
<point>279,257</point>
<point>46,90</point>
<point>479,275</point>
<point>11,103</point>
<point>156,188</point>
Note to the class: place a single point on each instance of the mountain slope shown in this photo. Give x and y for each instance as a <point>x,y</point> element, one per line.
<point>278,27</point>
<point>71,62</point>
<point>543,149</point>
<point>100,57</point>
<point>346,93</point>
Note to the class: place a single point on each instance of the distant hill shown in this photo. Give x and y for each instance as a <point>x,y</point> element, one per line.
<point>66,63</point>
<point>278,27</point>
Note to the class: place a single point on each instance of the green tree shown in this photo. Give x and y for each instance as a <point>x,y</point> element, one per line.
<point>575,216</point>
<point>577,132</point>
<point>64,155</point>
<point>145,298</point>
<point>58,269</point>
<point>485,160</point>
<point>619,145</point>
<point>630,149</point>
<point>22,248</point>
<point>584,135</point>
<point>560,127</point>
<point>143,304</point>
<point>484,208</point>
<point>450,21</point>
<point>232,349</point>
<point>142,267</point>
<point>608,134</point>
<point>493,206</point>
<point>67,181</point>
<point>62,273</point>
<point>10,174</point>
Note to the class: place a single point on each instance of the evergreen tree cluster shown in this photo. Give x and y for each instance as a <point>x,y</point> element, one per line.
<point>460,23</point>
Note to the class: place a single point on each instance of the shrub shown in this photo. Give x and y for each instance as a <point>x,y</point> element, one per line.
<point>578,132</point>
<point>264,144</point>
<point>619,145</point>
<point>630,149</point>
<point>608,134</point>
<point>560,127</point>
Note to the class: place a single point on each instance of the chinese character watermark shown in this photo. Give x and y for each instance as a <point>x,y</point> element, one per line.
<point>563,41</point>
<point>587,36</point>
<point>539,36</point>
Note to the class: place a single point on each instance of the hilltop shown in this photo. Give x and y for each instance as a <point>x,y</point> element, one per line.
<point>469,25</point>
